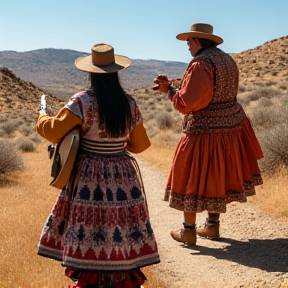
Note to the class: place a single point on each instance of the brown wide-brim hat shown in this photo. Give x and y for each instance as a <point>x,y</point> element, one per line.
<point>102,60</point>
<point>201,31</point>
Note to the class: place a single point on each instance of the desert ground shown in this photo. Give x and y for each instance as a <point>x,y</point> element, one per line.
<point>252,250</point>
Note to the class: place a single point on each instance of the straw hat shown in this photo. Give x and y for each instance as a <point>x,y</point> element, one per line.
<point>102,60</point>
<point>202,31</point>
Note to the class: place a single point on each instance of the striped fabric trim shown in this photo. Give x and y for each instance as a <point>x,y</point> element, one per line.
<point>103,147</point>
<point>112,265</point>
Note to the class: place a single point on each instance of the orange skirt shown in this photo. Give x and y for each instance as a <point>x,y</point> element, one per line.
<point>212,169</point>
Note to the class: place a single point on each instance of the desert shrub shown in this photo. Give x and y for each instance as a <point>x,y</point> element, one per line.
<point>278,115</point>
<point>267,117</point>
<point>9,127</point>
<point>26,129</point>
<point>25,145</point>
<point>284,100</point>
<point>142,96</point>
<point>243,98</point>
<point>3,118</point>
<point>10,160</point>
<point>264,102</point>
<point>241,88</point>
<point>274,143</point>
<point>168,107</point>
<point>14,116</point>
<point>151,102</point>
<point>164,120</point>
<point>20,122</point>
<point>149,116</point>
<point>158,97</point>
<point>260,118</point>
<point>177,126</point>
<point>34,137</point>
<point>257,83</point>
<point>283,85</point>
<point>166,139</point>
<point>272,129</point>
<point>30,117</point>
<point>152,132</point>
<point>262,93</point>
<point>270,83</point>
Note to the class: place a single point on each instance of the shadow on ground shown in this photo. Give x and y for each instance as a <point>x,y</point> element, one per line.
<point>269,254</point>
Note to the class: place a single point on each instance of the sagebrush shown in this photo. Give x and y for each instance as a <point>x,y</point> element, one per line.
<point>10,160</point>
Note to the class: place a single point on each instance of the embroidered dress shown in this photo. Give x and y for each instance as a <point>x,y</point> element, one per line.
<point>100,221</point>
<point>215,162</point>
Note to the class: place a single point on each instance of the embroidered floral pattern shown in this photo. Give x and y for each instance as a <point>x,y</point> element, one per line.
<point>84,106</point>
<point>105,225</point>
<point>217,157</point>
<point>194,204</point>
<point>223,112</point>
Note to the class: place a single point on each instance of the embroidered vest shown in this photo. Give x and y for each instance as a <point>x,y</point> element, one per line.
<point>223,112</point>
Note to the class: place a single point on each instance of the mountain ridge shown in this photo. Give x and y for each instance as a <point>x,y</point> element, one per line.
<point>53,69</point>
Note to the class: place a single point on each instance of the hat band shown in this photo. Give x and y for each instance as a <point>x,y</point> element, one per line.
<point>105,64</point>
<point>102,59</point>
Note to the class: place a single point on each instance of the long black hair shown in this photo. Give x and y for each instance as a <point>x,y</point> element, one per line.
<point>113,103</point>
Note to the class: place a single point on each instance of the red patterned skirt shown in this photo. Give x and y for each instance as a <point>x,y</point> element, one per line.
<point>100,221</point>
<point>128,279</point>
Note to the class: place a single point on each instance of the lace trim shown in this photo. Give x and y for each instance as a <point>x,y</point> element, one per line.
<point>194,204</point>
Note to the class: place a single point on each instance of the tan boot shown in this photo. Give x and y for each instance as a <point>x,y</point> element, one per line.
<point>209,229</point>
<point>184,235</point>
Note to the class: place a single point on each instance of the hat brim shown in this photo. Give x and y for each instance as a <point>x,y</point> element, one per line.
<point>184,36</point>
<point>85,64</point>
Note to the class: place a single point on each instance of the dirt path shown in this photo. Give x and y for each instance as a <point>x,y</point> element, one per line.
<point>252,253</point>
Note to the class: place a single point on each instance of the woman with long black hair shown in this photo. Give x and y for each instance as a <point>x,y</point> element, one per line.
<point>100,228</point>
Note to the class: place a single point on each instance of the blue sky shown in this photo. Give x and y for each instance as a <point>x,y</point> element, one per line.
<point>139,29</point>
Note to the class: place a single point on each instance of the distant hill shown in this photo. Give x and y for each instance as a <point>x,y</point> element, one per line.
<point>266,61</point>
<point>53,70</point>
<point>21,97</point>
<point>50,69</point>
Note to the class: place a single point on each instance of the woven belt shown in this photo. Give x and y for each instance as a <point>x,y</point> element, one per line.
<point>102,147</point>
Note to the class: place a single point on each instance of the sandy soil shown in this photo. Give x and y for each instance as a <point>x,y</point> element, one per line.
<point>252,250</point>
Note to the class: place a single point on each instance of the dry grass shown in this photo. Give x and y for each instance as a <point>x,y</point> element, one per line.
<point>26,200</point>
<point>159,156</point>
<point>30,200</point>
<point>271,197</point>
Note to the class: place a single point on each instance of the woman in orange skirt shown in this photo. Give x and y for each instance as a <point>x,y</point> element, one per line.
<point>215,162</point>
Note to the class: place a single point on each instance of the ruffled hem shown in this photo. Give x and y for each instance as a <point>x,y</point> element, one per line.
<point>213,169</point>
<point>132,279</point>
<point>216,205</point>
<point>106,227</point>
